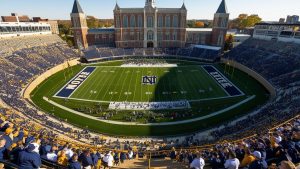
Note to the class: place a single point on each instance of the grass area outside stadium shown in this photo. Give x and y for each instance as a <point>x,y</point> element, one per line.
<point>248,85</point>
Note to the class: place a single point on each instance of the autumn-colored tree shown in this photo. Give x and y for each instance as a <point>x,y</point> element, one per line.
<point>244,21</point>
<point>228,43</point>
<point>199,24</point>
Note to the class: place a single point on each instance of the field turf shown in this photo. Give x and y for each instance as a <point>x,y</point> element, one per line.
<point>244,82</point>
<point>125,84</point>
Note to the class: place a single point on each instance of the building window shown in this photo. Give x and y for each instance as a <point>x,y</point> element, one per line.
<point>118,21</point>
<point>168,21</point>
<point>125,21</point>
<point>140,21</point>
<point>223,23</point>
<point>174,35</point>
<point>175,21</point>
<point>160,21</point>
<point>132,21</point>
<point>159,36</point>
<point>149,21</point>
<point>167,36</point>
<point>150,35</point>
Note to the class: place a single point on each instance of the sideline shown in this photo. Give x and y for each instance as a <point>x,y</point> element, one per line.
<point>150,124</point>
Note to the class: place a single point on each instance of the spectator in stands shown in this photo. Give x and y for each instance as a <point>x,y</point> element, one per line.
<point>2,148</point>
<point>8,137</point>
<point>62,158</point>
<point>95,158</point>
<point>86,159</point>
<point>52,156</point>
<point>248,158</point>
<point>286,165</point>
<point>173,154</point>
<point>117,159</point>
<point>69,152</point>
<point>258,163</point>
<point>16,149</point>
<point>29,159</point>
<point>198,162</point>
<point>73,163</point>
<point>122,157</point>
<point>232,162</point>
<point>108,160</point>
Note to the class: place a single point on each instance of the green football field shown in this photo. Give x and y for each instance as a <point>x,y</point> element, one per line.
<point>125,84</point>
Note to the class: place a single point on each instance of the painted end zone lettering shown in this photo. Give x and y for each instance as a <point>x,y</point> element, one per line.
<point>74,83</point>
<point>228,86</point>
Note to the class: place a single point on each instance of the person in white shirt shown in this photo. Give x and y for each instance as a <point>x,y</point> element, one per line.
<point>52,156</point>
<point>232,162</point>
<point>197,163</point>
<point>108,159</point>
<point>130,155</point>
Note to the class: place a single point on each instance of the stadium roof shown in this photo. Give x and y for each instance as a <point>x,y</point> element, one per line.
<point>222,8</point>
<point>76,7</point>
<point>208,47</point>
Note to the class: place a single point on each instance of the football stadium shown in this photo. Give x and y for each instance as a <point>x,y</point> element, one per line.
<point>149,91</point>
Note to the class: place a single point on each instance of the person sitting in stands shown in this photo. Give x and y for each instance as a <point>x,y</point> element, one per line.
<point>2,148</point>
<point>73,163</point>
<point>28,159</point>
<point>197,163</point>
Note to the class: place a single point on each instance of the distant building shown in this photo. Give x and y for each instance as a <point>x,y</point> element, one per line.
<point>282,20</point>
<point>277,31</point>
<point>15,18</point>
<point>53,23</point>
<point>11,29</point>
<point>149,27</point>
<point>292,19</point>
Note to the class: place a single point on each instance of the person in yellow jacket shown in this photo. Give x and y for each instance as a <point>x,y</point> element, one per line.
<point>62,158</point>
<point>248,158</point>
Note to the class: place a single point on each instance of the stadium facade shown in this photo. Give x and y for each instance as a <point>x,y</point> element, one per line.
<point>149,27</point>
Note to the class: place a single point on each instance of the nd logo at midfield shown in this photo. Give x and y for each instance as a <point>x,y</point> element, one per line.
<point>149,80</point>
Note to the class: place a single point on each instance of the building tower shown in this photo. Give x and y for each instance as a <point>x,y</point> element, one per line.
<point>220,25</point>
<point>79,26</point>
<point>150,3</point>
<point>150,24</point>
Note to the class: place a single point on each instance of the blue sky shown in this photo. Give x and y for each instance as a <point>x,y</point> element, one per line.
<point>269,10</point>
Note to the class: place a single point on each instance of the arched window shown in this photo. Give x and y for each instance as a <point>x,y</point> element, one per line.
<point>175,21</point>
<point>149,21</point>
<point>160,21</point>
<point>125,21</point>
<point>168,21</point>
<point>150,35</point>
<point>132,21</point>
<point>140,21</point>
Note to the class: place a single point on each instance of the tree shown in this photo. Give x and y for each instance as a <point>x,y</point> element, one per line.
<point>228,43</point>
<point>199,24</point>
<point>244,21</point>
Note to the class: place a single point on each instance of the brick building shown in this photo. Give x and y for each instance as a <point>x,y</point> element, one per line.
<point>149,27</point>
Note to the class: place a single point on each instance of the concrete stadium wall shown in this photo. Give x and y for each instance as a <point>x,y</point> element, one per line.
<point>47,74</point>
<point>253,74</point>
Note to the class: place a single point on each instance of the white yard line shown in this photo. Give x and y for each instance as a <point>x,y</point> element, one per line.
<point>151,124</point>
<point>123,84</point>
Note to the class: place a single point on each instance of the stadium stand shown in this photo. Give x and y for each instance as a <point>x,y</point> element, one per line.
<point>199,51</point>
<point>274,129</point>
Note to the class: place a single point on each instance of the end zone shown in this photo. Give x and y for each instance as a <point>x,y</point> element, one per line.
<point>74,83</point>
